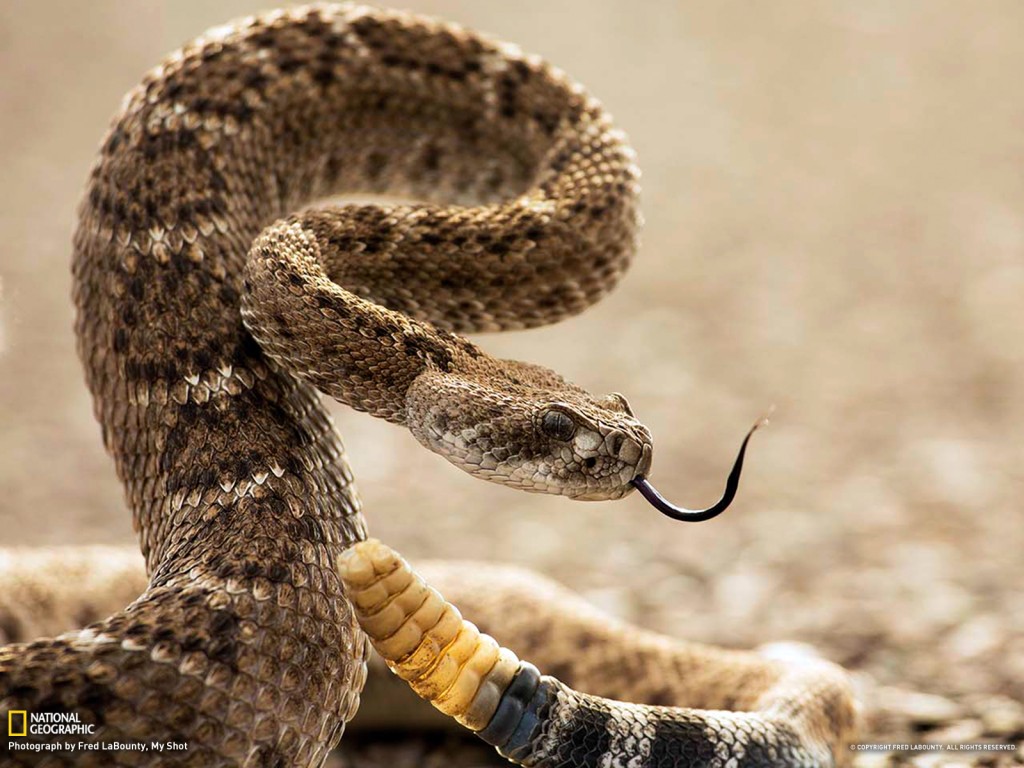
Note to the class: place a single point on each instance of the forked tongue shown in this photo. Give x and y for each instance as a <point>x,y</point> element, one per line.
<point>669,509</point>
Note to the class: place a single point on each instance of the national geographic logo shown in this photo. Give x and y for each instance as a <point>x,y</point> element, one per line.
<point>17,722</point>
<point>20,722</point>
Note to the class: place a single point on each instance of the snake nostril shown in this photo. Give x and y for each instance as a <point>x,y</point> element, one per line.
<point>615,441</point>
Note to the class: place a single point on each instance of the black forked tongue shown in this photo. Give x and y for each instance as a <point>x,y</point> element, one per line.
<point>669,509</point>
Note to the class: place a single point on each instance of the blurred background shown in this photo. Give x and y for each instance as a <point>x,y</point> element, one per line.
<point>833,196</point>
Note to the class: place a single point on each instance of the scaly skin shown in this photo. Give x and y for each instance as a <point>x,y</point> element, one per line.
<point>243,643</point>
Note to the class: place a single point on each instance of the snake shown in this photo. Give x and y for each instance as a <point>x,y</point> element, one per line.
<point>217,295</point>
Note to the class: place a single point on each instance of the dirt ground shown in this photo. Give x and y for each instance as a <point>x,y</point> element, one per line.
<point>833,194</point>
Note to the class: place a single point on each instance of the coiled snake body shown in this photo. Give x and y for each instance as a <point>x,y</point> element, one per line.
<point>244,644</point>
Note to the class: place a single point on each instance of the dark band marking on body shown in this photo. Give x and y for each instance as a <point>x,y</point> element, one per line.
<point>512,706</point>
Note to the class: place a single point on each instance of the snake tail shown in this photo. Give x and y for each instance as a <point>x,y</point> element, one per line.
<point>424,639</point>
<point>536,720</point>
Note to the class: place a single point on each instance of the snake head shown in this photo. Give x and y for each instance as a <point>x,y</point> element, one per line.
<point>529,429</point>
<point>592,448</point>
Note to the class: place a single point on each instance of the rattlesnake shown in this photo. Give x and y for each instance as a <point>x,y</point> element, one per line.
<point>244,644</point>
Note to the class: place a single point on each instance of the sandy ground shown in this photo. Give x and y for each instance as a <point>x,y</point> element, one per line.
<point>833,195</point>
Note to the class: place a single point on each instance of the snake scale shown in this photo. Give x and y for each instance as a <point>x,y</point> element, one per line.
<point>205,320</point>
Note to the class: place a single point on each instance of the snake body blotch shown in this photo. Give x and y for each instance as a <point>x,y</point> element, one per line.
<point>211,305</point>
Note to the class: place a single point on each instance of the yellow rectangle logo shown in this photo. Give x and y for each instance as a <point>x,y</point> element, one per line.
<point>14,730</point>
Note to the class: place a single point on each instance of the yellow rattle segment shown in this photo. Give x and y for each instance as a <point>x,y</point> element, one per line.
<point>423,638</point>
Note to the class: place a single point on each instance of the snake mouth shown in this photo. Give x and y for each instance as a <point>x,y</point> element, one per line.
<point>732,484</point>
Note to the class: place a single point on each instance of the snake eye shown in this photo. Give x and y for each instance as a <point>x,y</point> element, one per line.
<point>557,425</point>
